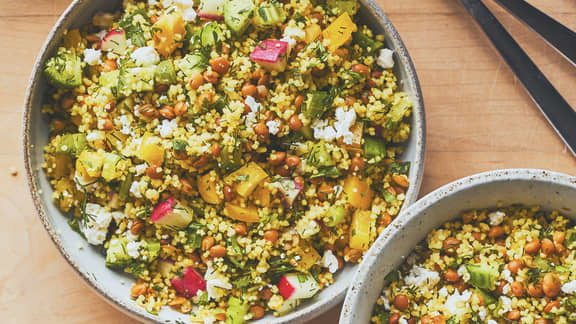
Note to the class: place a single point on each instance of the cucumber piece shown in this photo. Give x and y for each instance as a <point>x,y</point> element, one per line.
<point>269,15</point>
<point>374,148</point>
<point>483,276</point>
<point>231,159</point>
<point>117,254</point>
<point>192,63</point>
<point>165,72</point>
<point>342,6</point>
<point>319,156</point>
<point>125,186</point>
<point>237,15</point>
<point>208,36</point>
<point>307,132</point>
<point>335,215</point>
<point>368,45</point>
<point>316,104</point>
<point>398,111</point>
<point>64,70</point>
<point>570,238</point>
<point>110,168</point>
<point>72,144</point>
<point>139,79</point>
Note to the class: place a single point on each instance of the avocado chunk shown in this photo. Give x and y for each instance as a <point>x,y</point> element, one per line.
<point>72,144</point>
<point>342,6</point>
<point>117,254</point>
<point>236,311</point>
<point>237,15</point>
<point>368,45</point>
<point>319,156</point>
<point>192,63</point>
<point>64,70</point>
<point>269,15</point>
<point>165,72</point>
<point>483,276</point>
<point>374,149</point>
<point>316,104</point>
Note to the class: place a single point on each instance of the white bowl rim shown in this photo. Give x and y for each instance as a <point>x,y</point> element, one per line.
<point>354,293</point>
<point>297,316</point>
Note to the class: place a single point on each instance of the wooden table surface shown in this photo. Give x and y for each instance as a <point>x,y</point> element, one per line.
<point>479,118</point>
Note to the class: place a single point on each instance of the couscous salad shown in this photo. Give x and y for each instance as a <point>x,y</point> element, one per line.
<point>506,265</point>
<point>231,155</point>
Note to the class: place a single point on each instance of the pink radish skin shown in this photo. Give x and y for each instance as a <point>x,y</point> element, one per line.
<point>285,288</point>
<point>290,189</point>
<point>114,41</point>
<point>271,54</point>
<point>190,283</point>
<point>211,9</point>
<point>297,286</point>
<point>171,214</point>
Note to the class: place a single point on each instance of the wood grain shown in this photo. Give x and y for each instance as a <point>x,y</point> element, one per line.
<point>479,118</point>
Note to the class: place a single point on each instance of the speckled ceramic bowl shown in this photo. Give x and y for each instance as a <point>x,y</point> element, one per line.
<point>89,263</point>
<point>552,191</point>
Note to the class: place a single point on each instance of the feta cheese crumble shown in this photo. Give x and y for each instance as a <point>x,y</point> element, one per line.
<point>496,218</point>
<point>386,58</point>
<point>569,287</point>
<point>456,304</point>
<point>132,249</point>
<point>422,278</point>
<point>273,126</point>
<point>92,56</point>
<point>186,9</point>
<point>167,127</point>
<point>97,227</point>
<point>215,282</point>
<point>341,129</point>
<point>330,261</point>
<point>145,56</point>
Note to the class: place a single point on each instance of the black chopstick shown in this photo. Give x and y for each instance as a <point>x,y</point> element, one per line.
<point>558,112</point>
<point>556,34</point>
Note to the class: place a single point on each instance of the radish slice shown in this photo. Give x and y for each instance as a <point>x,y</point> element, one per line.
<point>297,286</point>
<point>171,214</point>
<point>114,41</point>
<point>189,284</point>
<point>290,189</point>
<point>271,54</point>
<point>211,9</point>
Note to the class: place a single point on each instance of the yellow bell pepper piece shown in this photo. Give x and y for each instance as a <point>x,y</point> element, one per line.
<point>151,150</point>
<point>246,179</point>
<point>358,192</point>
<point>339,32</point>
<point>169,30</point>
<point>248,214</point>
<point>207,188</point>
<point>360,230</point>
<point>90,163</point>
<point>313,31</point>
<point>262,195</point>
<point>308,256</point>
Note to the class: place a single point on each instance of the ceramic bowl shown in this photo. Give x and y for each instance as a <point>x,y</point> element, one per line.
<point>552,191</point>
<point>89,262</point>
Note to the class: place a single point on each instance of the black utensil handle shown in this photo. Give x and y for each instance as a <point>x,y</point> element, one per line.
<point>558,112</point>
<point>556,34</point>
